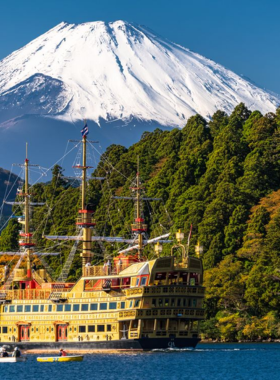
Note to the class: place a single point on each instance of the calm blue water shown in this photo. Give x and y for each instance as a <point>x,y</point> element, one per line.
<point>207,362</point>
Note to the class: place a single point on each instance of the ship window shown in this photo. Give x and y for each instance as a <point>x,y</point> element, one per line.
<point>137,281</point>
<point>166,302</point>
<point>76,307</point>
<point>179,302</point>
<point>112,305</point>
<point>172,302</point>
<point>84,307</point>
<point>154,302</point>
<point>130,304</point>
<point>12,308</point>
<point>91,328</point>
<point>93,306</point>
<point>103,306</point>
<point>59,307</point>
<point>134,324</point>
<point>41,308</point>
<point>50,308</point>
<point>27,308</point>
<point>35,308</point>
<point>143,281</point>
<point>109,328</point>
<point>160,302</point>
<point>137,302</point>
<point>5,330</point>
<point>6,309</point>
<point>122,305</point>
<point>67,307</point>
<point>100,328</point>
<point>82,329</point>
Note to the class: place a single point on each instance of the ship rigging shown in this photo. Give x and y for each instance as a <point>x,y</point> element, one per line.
<point>129,303</point>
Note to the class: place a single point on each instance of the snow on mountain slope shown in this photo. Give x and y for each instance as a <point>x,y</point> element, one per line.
<point>118,70</point>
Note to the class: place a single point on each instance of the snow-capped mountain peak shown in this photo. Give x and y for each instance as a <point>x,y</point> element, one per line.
<point>119,70</point>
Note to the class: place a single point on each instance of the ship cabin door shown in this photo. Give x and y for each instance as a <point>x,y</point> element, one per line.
<point>24,333</point>
<point>62,333</point>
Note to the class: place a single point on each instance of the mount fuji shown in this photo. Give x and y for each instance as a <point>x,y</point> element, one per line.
<point>120,76</point>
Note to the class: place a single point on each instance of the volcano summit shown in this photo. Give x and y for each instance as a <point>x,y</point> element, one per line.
<point>118,71</point>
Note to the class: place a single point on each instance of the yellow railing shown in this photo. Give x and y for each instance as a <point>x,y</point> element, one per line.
<point>29,294</point>
<point>99,271</point>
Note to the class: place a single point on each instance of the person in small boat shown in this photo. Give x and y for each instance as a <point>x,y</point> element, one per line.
<point>62,352</point>
<point>4,353</point>
<point>16,352</point>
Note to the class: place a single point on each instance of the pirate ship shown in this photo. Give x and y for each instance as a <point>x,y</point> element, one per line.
<point>129,303</point>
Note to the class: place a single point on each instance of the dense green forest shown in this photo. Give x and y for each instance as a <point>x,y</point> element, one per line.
<point>223,177</point>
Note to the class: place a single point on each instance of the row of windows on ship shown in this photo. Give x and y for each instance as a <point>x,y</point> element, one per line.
<point>156,302</point>
<point>80,329</point>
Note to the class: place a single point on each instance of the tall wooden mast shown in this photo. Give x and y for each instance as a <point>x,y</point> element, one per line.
<point>85,220</point>
<point>26,242</point>
<point>26,212</point>
<point>138,227</point>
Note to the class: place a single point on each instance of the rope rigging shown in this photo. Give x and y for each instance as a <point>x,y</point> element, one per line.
<point>53,202</point>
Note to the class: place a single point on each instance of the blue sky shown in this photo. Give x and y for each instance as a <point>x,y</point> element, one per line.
<point>243,35</point>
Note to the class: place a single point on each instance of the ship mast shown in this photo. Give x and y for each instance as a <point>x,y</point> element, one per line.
<point>85,220</point>
<point>26,212</point>
<point>139,227</point>
<point>26,241</point>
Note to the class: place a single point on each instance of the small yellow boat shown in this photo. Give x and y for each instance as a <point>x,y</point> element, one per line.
<point>52,359</point>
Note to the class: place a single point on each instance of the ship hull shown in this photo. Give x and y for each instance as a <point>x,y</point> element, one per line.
<point>123,344</point>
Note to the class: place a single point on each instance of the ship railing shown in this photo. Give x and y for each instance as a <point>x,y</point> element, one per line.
<point>27,294</point>
<point>184,289</point>
<point>190,313</point>
<point>104,270</point>
<point>30,294</point>
<point>164,290</point>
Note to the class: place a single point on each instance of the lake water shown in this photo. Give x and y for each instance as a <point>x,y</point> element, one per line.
<point>206,362</point>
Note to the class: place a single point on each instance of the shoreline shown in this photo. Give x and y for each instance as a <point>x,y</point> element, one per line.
<point>205,341</point>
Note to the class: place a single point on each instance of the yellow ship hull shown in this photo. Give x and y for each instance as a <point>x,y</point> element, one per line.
<point>52,359</point>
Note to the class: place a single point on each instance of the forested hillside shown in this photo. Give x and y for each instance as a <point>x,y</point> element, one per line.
<point>223,177</point>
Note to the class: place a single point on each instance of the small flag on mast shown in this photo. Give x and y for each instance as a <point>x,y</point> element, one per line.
<point>84,131</point>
